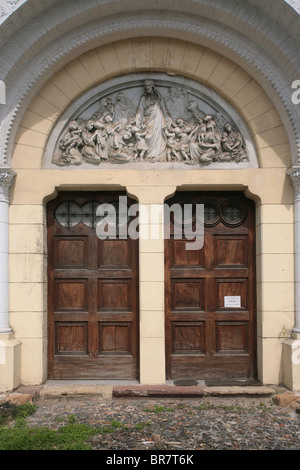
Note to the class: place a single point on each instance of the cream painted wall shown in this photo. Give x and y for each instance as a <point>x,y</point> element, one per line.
<point>267,185</point>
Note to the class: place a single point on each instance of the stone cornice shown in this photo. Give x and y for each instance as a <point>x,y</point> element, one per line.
<point>6,179</point>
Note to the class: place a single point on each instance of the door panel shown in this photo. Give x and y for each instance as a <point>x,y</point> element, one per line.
<point>92,295</point>
<point>210,293</point>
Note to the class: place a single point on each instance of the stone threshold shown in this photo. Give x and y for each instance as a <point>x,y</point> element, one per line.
<point>108,390</point>
<point>191,391</point>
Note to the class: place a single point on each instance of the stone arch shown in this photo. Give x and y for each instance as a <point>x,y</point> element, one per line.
<point>242,21</point>
<point>155,54</point>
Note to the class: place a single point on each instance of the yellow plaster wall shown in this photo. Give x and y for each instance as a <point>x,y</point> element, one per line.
<point>267,185</point>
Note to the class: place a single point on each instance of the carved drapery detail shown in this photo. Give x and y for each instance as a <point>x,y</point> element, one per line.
<point>152,127</point>
<point>6,179</point>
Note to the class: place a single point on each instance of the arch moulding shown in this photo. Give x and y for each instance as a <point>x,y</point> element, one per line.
<point>206,31</point>
<point>90,73</point>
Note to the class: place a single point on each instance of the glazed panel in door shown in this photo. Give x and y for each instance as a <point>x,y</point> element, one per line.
<point>92,295</point>
<point>210,293</point>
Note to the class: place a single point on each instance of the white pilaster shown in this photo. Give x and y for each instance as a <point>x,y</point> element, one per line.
<point>6,179</point>
<point>151,281</point>
<point>291,347</point>
<point>10,348</point>
<point>294,175</point>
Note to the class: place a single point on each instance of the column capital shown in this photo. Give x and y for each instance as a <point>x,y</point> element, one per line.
<point>7,176</point>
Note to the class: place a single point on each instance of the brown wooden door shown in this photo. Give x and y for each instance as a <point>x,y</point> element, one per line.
<point>210,293</point>
<point>92,295</point>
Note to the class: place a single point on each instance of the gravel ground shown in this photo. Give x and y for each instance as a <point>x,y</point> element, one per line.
<point>177,424</point>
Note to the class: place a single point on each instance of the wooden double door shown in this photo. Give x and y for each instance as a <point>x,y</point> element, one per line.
<point>92,293</point>
<point>210,293</point>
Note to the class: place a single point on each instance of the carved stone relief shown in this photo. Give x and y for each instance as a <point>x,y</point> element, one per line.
<point>294,176</point>
<point>150,124</point>
<point>6,179</point>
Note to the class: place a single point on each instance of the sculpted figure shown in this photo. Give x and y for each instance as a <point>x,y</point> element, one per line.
<point>152,113</point>
<point>172,147</point>
<point>207,146</point>
<point>105,107</point>
<point>226,146</point>
<point>141,146</point>
<point>176,103</point>
<point>111,132</point>
<point>123,110</point>
<point>212,135</point>
<point>88,150</point>
<point>100,137</point>
<point>70,146</point>
<point>114,145</point>
<point>184,136</point>
<point>232,143</point>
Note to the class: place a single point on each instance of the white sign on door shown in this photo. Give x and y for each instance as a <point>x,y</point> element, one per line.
<point>232,301</point>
